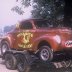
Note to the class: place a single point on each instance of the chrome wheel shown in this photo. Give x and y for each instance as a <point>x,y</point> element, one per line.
<point>0,51</point>
<point>4,48</point>
<point>44,54</point>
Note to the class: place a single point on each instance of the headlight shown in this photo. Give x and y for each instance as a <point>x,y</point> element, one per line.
<point>57,38</point>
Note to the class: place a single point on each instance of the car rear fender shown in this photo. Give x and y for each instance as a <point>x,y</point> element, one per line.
<point>49,41</point>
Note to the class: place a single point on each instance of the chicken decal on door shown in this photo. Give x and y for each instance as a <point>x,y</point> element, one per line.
<point>25,40</point>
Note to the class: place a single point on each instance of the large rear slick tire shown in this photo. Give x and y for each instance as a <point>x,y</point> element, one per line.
<point>45,54</point>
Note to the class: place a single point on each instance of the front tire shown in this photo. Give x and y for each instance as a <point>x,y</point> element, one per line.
<point>45,54</point>
<point>22,65</point>
<point>10,61</point>
<point>4,47</point>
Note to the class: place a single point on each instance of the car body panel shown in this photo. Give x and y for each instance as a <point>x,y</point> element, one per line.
<point>29,39</point>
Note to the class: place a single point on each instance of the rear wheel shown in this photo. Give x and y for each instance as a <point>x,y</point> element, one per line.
<point>10,61</point>
<point>45,54</point>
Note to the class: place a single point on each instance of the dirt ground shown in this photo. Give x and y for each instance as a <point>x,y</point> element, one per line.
<point>4,69</point>
<point>36,68</point>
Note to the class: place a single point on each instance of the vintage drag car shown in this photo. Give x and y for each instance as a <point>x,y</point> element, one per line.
<point>39,37</point>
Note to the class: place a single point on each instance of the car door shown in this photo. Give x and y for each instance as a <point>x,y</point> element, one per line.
<point>26,35</point>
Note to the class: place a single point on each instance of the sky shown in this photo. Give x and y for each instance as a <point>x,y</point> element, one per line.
<point>8,17</point>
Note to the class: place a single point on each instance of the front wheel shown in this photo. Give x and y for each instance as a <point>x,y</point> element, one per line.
<point>10,61</point>
<point>4,47</point>
<point>22,65</point>
<point>45,54</point>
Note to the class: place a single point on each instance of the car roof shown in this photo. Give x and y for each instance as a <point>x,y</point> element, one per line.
<point>33,19</point>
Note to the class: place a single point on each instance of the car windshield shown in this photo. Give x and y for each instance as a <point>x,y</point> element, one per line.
<point>43,24</point>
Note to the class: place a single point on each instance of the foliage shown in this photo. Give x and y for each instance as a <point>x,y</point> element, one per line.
<point>49,9</point>
<point>18,10</point>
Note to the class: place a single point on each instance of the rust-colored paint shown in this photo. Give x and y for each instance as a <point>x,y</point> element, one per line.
<point>29,39</point>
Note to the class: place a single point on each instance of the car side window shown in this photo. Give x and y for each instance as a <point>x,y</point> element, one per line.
<point>26,25</point>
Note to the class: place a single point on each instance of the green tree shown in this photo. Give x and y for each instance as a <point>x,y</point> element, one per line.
<point>49,9</point>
